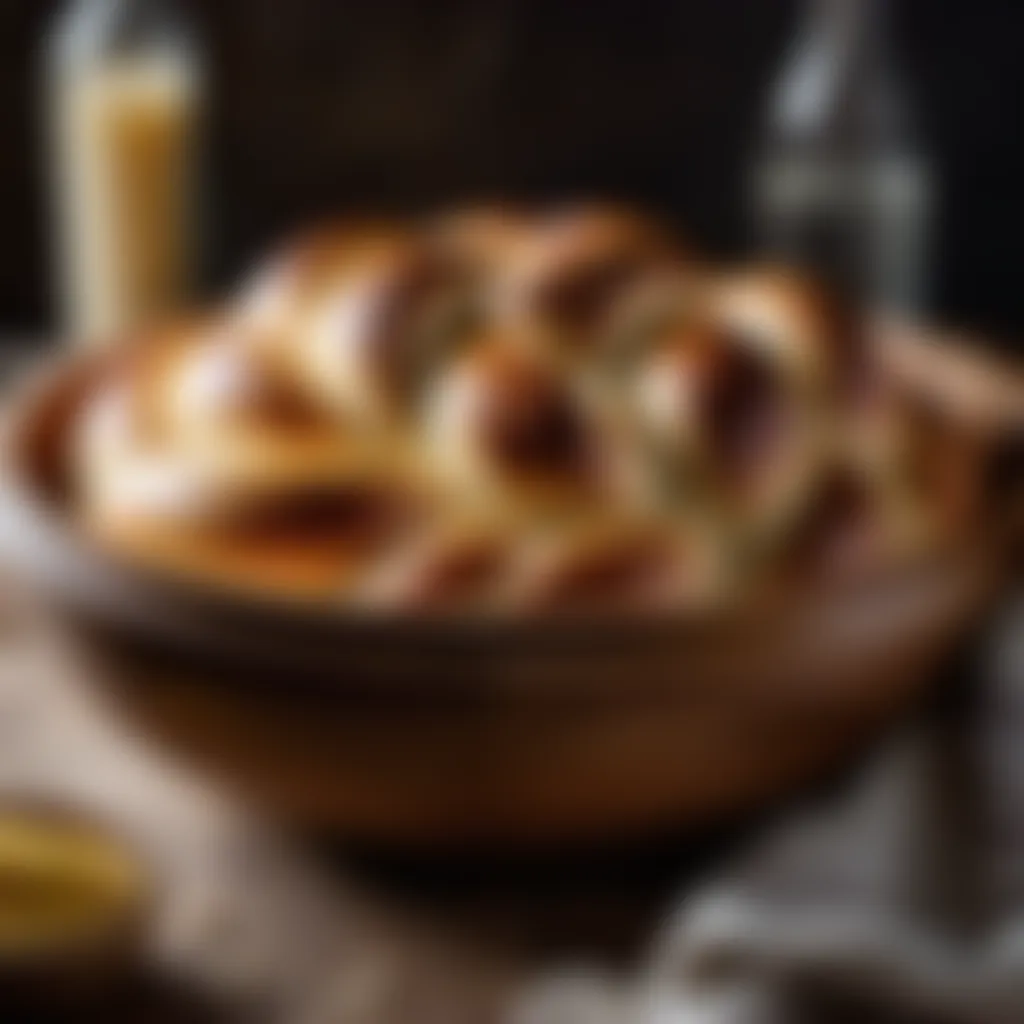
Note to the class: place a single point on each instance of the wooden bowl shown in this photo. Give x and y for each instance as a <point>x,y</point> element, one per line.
<point>484,734</point>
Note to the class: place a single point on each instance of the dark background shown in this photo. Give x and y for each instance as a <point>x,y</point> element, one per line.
<point>318,105</point>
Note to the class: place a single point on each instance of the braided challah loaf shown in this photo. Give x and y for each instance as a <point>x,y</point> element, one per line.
<point>505,410</point>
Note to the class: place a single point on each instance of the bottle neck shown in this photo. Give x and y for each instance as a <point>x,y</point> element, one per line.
<point>842,85</point>
<point>852,30</point>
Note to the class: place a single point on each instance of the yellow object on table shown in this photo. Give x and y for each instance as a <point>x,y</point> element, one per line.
<point>64,884</point>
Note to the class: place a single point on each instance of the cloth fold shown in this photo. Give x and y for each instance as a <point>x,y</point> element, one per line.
<point>905,890</point>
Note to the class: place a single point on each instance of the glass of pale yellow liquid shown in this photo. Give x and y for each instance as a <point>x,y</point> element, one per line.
<point>123,92</point>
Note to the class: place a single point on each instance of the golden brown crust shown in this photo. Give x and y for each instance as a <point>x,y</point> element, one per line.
<point>566,277</point>
<point>295,277</point>
<point>449,566</point>
<point>481,240</point>
<point>372,343</point>
<point>512,431</point>
<point>359,314</point>
<point>812,335</point>
<point>726,423</point>
<point>855,522</point>
<point>205,451</point>
<point>516,411</point>
<point>618,563</point>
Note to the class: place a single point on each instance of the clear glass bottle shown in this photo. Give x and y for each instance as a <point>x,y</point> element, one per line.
<point>123,87</point>
<point>841,181</point>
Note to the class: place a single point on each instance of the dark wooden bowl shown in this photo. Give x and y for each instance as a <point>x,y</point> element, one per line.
<point>477,733</point>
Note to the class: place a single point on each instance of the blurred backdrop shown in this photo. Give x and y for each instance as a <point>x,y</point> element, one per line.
<point>321,105</point>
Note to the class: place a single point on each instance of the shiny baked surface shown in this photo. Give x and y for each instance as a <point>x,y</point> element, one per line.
<point>502,409</point>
